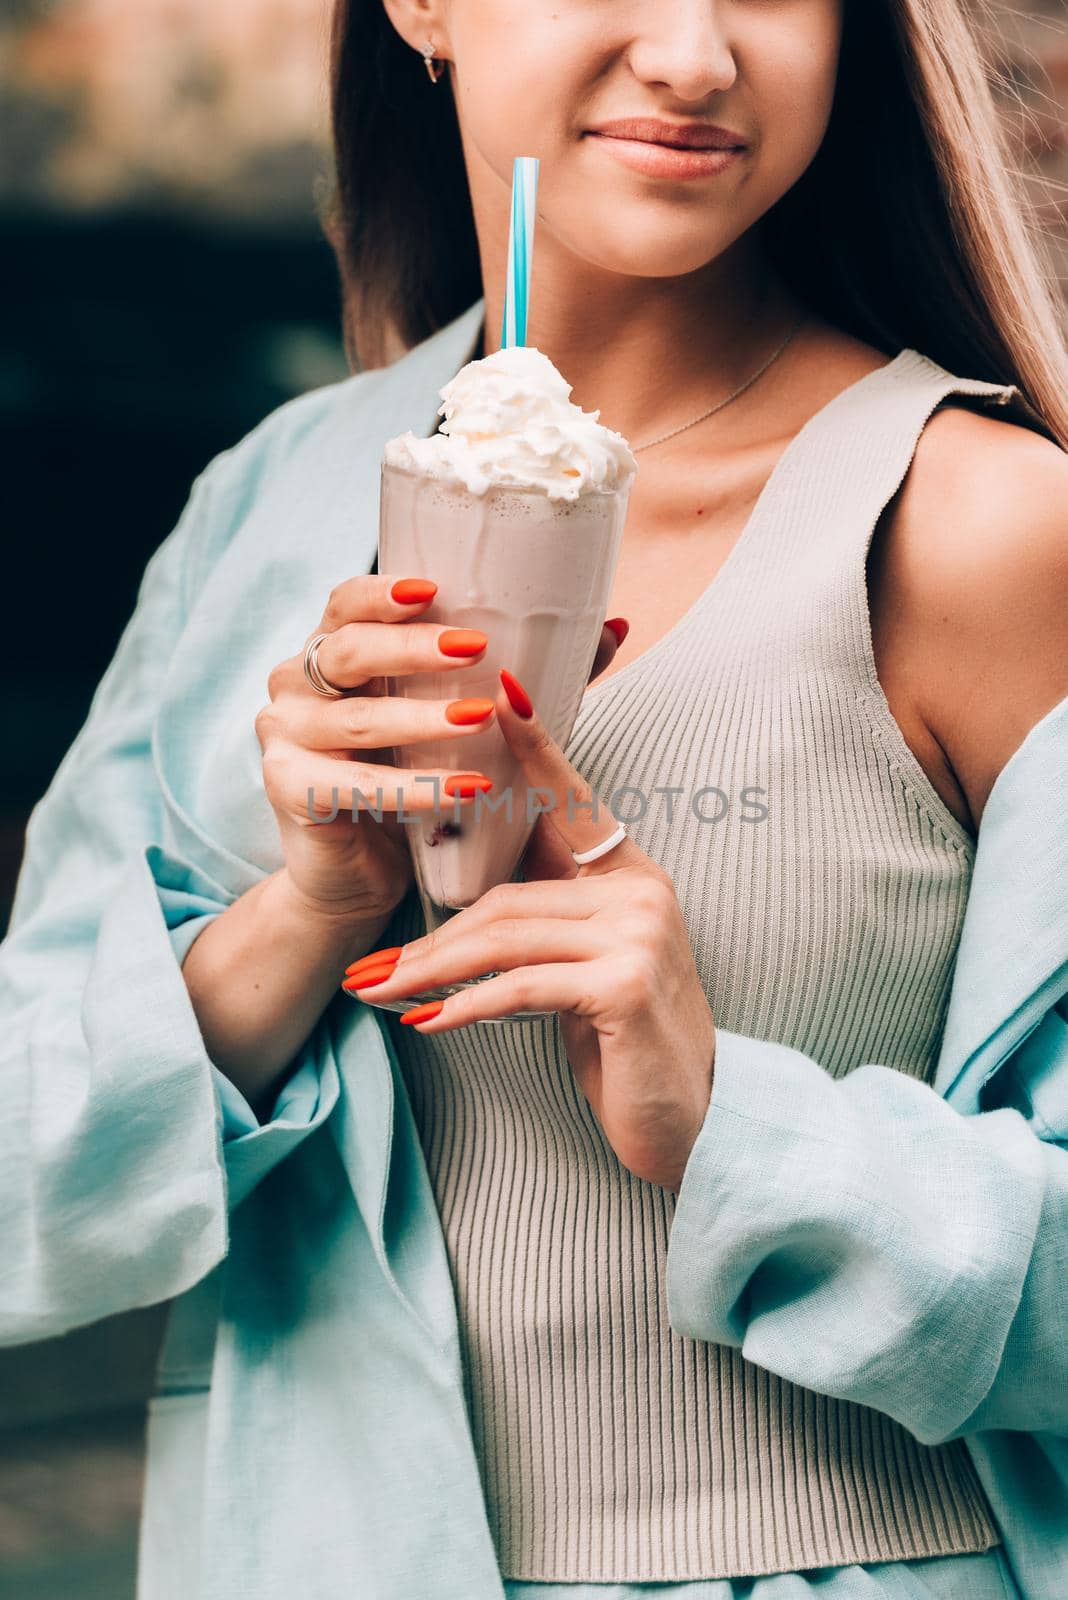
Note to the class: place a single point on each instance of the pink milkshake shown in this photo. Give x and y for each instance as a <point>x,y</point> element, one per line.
<point>515,509</point>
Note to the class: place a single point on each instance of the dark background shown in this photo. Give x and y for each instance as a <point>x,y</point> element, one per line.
<point>166,286</point>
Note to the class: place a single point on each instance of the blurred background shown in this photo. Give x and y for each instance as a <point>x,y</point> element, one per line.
<point>161,163</point>
<point>161,167</point>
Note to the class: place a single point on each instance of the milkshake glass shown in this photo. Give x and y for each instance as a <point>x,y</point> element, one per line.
<point>515,509</point>
<point>534,575</point>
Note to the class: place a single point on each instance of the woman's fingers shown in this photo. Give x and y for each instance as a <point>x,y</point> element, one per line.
<point>376,597</point>
<point>613,632</point>
<point>582,819</point>
<point>356,652</point>
<point>361,644</point>
<point>566,986</point>
<point>546,854</point>
<point>507,905</point>
<point>361,640</point>
<point>371,722</point>
<point>509,944</point>
<point>559,899</point>
<point>387,597</point>
<point>314,787</point>
<point>362,650</point>
<point>359,654</point>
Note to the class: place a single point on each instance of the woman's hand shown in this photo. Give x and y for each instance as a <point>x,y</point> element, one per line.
<point>360,870</point>
<point>604,944</point>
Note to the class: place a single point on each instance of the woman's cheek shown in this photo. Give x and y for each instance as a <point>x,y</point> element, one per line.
<point>510,91</point>
<point>498,123</point>
<point>792,129</point>
<point>799,71</point>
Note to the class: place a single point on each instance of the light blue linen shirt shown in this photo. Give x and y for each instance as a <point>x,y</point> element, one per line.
<point>875,1238</point>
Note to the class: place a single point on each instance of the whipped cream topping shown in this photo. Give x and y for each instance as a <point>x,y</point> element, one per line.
<point>509,420</point>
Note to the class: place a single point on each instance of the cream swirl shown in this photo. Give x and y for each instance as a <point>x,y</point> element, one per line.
<point>509,420</point>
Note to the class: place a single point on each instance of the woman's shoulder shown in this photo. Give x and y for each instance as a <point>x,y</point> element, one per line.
<point>294,425</point>
<point>983,507</point>
<point>973,584</point>
<point>985,497</point>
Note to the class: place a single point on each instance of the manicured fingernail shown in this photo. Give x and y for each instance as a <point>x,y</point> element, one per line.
<point>423,1013</point>
<point>466,784</point>
<point>370,975</point>
<point>464,712</point>
<point>374,958</point>
<point>518,699</point>
<point>619,626</point>
<point>462,642</point>
<point>413,591</point>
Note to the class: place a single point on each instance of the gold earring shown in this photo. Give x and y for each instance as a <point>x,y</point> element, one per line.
<point>435,68</point>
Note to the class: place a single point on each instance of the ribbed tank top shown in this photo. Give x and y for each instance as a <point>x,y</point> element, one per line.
<point>611,1448</point>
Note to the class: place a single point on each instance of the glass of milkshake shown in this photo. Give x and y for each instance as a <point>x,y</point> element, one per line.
<point>515,509</point>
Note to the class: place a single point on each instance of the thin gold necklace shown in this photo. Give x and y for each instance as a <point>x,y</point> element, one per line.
<point>648,445</point>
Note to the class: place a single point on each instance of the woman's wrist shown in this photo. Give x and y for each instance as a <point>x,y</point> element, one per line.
<point>348,925</point>
<point>262,973</point>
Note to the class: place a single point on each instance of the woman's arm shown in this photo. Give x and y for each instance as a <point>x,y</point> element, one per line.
<point>261,974</point>
<point>861,1238</point>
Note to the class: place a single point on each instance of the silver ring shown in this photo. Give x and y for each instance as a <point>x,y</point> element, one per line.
<point>583,856</point>
<point>313,673</point>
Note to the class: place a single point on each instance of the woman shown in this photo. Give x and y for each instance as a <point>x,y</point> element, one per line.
<point>844,594</point>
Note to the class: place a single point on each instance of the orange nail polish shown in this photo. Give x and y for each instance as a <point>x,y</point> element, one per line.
<point>370,975</point>
<point>413,591</point>
<point>462,642</point>
<point>423,1013</point>
<point>518,699</point>
<point>465,712</point>
<point>374,958</point>
<point>619,626</point>
<point>466,784</point>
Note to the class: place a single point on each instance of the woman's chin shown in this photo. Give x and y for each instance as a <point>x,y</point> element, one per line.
<point>642,252</point>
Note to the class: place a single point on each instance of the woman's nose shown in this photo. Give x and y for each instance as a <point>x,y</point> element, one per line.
<point>683,45</point>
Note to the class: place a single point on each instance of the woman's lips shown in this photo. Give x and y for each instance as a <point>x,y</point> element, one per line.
<point>666,161</point>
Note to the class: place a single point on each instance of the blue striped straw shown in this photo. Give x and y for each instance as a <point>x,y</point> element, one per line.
<point>520,251</point>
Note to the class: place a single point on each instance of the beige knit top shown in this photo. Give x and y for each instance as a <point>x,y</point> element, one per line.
<point>611,1448</point>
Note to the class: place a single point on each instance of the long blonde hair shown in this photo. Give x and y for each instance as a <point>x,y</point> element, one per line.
<point>910,227</point>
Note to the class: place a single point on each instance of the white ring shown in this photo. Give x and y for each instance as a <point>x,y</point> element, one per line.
<point>602,849</point>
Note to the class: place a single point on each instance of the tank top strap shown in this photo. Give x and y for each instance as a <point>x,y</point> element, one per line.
<point>876,435</point>
<point>819,509</point>
<point>852,456</point>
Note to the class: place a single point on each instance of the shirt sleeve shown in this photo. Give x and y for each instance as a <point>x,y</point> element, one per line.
<point>863,1239</point>
<point>189,900</point>
<point>122,1147</point>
